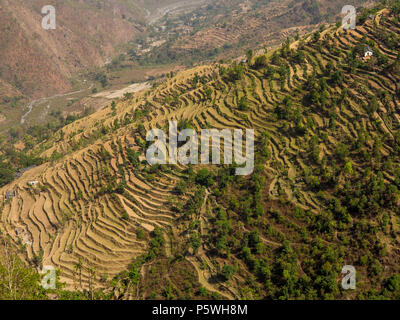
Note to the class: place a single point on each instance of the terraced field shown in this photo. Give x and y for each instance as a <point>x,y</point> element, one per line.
<point>79,220</point>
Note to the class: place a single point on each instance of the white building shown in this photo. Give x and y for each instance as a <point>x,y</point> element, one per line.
<point>368,52</point>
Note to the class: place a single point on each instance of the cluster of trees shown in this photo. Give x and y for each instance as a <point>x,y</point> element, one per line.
<point>233,73</point>
<point>7,172</point>
<point>17,280</point>
<point>12,160</point>
<point>102,78</point>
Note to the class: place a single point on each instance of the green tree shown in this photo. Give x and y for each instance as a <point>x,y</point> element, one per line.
<point>195,241</point>
<point>205,178</point>
<point>228,271</point>
<point>17,281</point>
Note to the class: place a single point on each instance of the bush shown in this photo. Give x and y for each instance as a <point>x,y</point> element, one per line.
<point>205,178</point>
<point>181,187</point>
<point>6,174</point>
<point>261,62</point>
<point>393,283</point>
<point>243,104</point>
<point>228,271</point>
<point>125,216</point>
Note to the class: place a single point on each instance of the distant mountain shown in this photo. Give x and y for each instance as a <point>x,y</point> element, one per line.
<point>226,27</point>
<point>38,62</point>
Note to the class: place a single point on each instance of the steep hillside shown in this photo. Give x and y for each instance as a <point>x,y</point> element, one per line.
<point>128,37</point>
<point>324,194</point>
<point>39,62</point>
<point>221,29</point>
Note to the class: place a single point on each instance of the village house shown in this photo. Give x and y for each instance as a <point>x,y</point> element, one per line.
<point>33,183</point>
<point>368,52</point>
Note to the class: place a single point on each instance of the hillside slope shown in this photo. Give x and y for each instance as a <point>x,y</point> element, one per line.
<point>40,62</point>
<point>325,192</point>
<point>221,29</point>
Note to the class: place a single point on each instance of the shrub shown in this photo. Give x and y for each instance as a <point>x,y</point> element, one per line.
<point>228,271</point>
<point>205,178</point>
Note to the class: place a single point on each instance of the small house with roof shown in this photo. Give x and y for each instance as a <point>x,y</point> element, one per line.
<point>368,52</point>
